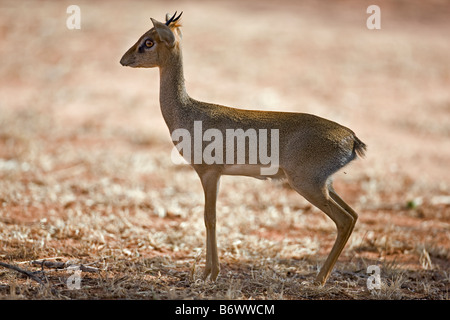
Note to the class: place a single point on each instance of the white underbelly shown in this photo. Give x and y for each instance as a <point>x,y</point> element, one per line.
<point>251,170</point>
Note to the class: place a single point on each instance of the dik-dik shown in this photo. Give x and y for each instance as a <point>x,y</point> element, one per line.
<point>309,149</point>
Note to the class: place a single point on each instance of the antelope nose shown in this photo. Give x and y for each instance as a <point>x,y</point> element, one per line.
<point>123,61</point>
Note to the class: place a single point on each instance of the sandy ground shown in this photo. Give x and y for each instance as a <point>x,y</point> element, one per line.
<point>85,170</point>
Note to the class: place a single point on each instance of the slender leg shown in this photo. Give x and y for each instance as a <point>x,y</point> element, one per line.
<point>345,223</point>
<point>342,215</point>
<point>342,203</point>
<point>210,183</point>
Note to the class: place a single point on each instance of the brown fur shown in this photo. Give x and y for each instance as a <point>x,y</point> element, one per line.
<point>311,150</point>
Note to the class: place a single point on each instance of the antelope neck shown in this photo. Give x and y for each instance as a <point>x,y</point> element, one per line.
<point>172,92</point>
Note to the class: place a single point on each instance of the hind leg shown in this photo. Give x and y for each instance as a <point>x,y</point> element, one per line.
<point>341,202</point>
<point>320,195</point>
<point>345,220</point>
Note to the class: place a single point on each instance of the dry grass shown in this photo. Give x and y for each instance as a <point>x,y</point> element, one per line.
<point>85,171</point>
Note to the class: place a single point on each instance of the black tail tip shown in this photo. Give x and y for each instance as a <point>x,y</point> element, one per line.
<point>359,147</point>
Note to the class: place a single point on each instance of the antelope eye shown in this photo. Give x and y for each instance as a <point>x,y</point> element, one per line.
<point>148,43</point>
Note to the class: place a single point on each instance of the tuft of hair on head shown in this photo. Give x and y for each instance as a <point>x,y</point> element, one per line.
<point>174,21</point>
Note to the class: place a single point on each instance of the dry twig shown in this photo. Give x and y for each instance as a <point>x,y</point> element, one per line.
<point>63,265</point>
<point>25,272</point>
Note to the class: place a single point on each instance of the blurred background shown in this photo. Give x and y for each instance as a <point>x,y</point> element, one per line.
<point>391,86</point>
<point>80,133</point>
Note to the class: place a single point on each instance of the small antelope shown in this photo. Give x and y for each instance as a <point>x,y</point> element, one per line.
<point>310,149</point>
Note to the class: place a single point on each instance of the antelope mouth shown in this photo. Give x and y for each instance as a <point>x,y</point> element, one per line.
<point>126,62</point>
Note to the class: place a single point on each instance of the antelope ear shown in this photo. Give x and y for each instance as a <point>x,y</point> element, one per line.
<point>164,33</point>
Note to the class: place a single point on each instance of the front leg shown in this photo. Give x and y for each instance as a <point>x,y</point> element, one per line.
<point>210,183</point>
